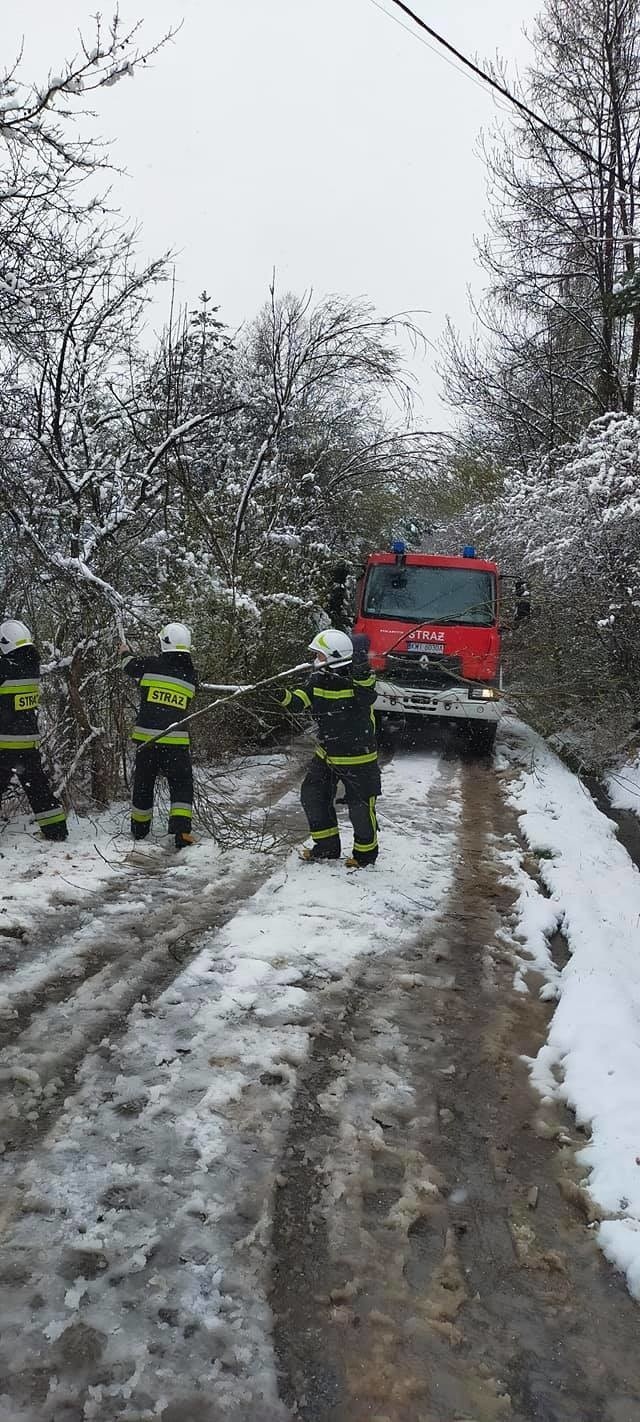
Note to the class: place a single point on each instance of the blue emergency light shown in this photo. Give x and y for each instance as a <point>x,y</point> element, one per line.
<point>468,551</point>
<point>398,546</point>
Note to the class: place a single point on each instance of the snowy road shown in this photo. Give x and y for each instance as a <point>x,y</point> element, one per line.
<point>271,1150</point>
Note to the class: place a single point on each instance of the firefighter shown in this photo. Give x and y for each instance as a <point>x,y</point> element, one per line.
<point>167,683</point>
<point>19,739</point>
<point>340,694</point>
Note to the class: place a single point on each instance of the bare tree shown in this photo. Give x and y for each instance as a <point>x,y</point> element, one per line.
<point>556,346</point>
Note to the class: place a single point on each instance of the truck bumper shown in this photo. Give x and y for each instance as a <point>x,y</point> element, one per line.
<point>453,703</point>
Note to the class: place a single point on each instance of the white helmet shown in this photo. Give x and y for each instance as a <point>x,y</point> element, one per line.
<point>175,637</point>
<point>13,635</point>
<point>332,648</point>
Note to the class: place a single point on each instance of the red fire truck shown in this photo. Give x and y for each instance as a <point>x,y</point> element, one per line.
<point>434,638</point>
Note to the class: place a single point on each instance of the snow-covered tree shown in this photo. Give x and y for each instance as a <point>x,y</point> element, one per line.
<point>558,331</point>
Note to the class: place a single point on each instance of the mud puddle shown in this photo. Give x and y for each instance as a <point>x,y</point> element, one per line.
<point>433,1261</point>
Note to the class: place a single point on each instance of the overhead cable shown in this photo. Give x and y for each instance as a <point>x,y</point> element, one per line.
<point>495,84</point>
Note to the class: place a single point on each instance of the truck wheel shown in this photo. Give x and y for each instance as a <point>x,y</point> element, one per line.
<point>481,737</point>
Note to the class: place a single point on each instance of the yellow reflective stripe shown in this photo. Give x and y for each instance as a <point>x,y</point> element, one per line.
<point>352,759</point>
<point>287,698</point>
<point>325,834</point>
<point>180,810</point>
<point>142,735</point>
<point>169,683</point>
<point>51,817</point>
<point>19,742</point>
<point>302,696</point>
<point>364,681</point>
<point>9,688</point>
<point>333,695</point>
<point>366,848</point>
<point>141,817</point>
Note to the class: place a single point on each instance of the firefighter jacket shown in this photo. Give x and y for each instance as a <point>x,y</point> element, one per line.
<point>341,703</point>
<point>168,684</point>
<point>19,699</point>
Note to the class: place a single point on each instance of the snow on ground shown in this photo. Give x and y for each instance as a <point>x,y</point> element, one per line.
<point>623,786</point>
<point>142,1220</point>
<point>37,875</point>
<point>592,1058</point>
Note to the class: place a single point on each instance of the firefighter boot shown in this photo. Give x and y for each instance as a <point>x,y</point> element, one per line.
<point>318,854</point>
<point>183,840</point>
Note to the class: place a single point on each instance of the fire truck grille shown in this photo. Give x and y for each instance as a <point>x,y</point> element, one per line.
<point>404,668</point>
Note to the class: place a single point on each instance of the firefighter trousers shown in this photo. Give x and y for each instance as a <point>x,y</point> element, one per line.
<point>174,762</point>
<point>27,766</point>
<point>362,786</point>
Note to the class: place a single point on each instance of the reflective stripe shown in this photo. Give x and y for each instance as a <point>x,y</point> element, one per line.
<point>19,742</point>
<point>325,834</point>
<point>141,733</point>
<point>364,681</point>
<point>180,810</point>
<point>367,848</point>
<point>302,696</point>
<point>52,817</point>
<point>333,695</point>
<point>8,687</point>
<point>169,683</point>
<point>141,817</point>
<point>367,759</point>
<point>26,694</point>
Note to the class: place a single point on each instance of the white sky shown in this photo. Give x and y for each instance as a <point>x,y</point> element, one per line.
<point>316,136</point>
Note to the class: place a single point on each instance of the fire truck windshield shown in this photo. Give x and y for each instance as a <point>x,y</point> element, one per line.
<point>426,594</point>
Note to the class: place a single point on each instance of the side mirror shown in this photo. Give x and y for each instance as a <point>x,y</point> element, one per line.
<point>523,600</point>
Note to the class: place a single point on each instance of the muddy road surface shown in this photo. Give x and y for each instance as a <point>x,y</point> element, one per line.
<point>433,1261</point>
<point>271,1152</point>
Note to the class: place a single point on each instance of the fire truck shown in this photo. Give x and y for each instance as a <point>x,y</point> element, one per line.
<point>434,638</point>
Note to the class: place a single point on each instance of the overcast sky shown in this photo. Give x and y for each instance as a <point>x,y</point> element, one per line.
<point>316,136</point>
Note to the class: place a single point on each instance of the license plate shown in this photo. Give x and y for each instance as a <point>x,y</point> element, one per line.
<point>432,649</point>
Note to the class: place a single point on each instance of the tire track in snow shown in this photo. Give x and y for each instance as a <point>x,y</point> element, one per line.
<point>56,1008</point>
<point>429,1268</point>
<point>137,1235</point>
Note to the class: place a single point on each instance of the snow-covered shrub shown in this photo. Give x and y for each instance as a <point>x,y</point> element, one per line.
<point>571,526</point>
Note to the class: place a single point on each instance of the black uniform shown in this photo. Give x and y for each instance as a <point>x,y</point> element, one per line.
<point>167,684</point>
<point>20,742</point>
<point>341,703</point>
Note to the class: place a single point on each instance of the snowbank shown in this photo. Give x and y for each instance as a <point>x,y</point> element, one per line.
<point>592,1058</point>
<point>623,786</point>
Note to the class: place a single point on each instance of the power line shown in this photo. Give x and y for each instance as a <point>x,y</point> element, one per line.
<point>433,49</point>
<point>497,86</point>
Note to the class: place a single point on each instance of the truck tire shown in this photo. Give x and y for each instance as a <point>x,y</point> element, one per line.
<point>481,737</point>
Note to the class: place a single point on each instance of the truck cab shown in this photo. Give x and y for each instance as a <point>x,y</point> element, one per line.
<point>434,638</point>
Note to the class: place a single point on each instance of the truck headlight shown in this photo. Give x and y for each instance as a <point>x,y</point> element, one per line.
<point>483,693</point>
